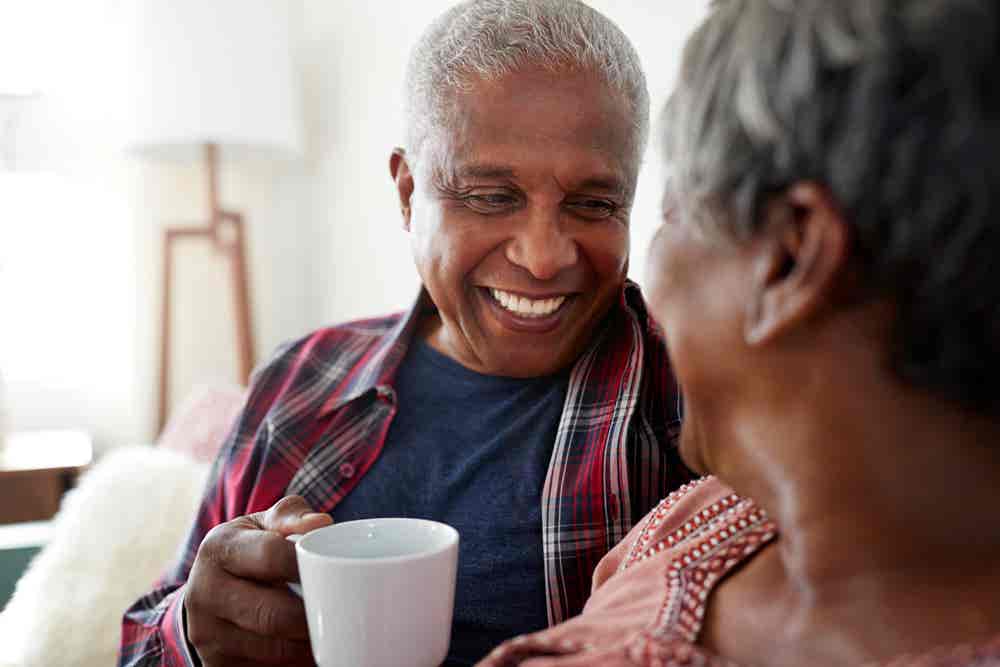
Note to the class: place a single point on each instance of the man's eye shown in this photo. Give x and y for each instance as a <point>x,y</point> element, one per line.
<point>490,203</point>
<point>593,209</point>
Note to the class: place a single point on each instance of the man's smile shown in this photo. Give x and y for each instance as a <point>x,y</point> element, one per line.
<point>526,306</point>
<point>527,313</point>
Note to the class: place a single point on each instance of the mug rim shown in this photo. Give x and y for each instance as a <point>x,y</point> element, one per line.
<point>452,538</point>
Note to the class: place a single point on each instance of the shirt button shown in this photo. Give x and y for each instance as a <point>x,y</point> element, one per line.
<point>347,470</point>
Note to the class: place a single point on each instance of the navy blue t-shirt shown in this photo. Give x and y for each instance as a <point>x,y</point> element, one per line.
<point>472,451</point>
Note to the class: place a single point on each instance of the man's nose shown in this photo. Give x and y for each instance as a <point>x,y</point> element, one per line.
<point>542,247</point>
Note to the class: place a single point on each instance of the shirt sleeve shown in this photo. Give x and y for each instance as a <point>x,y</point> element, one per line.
<point>153,631</point>
<point>238,484</point>
<point>153,627</point>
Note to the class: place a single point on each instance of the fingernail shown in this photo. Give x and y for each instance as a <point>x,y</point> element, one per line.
<point>314,515</point>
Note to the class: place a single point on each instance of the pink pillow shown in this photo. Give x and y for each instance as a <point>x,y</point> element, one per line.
<point>201,423</point>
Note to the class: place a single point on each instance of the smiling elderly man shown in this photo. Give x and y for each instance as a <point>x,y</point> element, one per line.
<point>526,398</point>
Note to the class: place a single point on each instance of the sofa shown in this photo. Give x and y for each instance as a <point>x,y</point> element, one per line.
<point>114,535</point>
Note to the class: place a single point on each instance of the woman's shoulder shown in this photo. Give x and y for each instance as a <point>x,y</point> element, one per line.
<point>678,518</point>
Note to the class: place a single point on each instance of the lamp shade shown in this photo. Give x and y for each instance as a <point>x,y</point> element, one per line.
<point>211,71</point>
<point>22,48</point>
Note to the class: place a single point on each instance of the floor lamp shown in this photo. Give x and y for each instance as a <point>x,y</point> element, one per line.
<point>213,80</point>
<point>226,231</point>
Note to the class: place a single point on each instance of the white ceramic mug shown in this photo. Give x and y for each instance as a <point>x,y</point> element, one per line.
<point>378,592</point>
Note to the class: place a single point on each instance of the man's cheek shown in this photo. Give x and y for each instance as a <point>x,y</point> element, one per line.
<point>609,258</point>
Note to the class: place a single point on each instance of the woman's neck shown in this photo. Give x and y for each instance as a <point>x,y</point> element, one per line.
<point>886,501</point>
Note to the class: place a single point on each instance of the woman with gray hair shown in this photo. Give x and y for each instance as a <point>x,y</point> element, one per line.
<point>824,279</point>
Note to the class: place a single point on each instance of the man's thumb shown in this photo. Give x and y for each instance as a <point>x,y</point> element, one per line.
<point>292,514</point>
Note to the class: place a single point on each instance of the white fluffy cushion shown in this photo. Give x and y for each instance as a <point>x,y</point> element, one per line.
<point>114,535</point>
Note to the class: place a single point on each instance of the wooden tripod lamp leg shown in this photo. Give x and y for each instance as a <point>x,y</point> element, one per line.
<point>227,232</point>
<point>240,278</point>
<point>165,301</point>
<point>230,237</point>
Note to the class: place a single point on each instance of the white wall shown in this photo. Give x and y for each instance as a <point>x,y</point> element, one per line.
<point>68,325</point>
<point>80,247</point>
<point>353,56</point>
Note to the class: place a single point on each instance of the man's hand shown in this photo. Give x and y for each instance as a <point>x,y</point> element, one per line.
<point>239,610</point>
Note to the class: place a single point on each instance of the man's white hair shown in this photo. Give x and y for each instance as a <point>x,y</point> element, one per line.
<point>488,39</point>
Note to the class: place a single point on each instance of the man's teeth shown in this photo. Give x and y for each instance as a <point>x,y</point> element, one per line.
<point>527,307</point>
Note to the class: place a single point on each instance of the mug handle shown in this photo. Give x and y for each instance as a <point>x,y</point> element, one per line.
<point>295,588</point>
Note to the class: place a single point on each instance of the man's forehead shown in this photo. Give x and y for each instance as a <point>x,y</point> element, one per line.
<point>513,154</point>
<point>597,177</point>
<point>494,123</point>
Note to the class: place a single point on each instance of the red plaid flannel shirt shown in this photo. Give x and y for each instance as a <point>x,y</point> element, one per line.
<point>317,417</point>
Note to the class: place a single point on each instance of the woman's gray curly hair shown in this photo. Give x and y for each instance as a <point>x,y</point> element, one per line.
<point>893,106</point>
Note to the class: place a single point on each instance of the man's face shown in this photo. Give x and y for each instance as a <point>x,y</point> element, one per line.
<point>519,220</point>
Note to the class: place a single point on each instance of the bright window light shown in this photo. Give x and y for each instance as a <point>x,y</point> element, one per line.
<point>66,289</point>
<point>23,62</point>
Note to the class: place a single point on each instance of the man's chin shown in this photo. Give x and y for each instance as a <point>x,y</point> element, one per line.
<point>526,361</point>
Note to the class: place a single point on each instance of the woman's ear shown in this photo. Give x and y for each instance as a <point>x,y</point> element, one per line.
<point>797,263</point>
<point>399,169</point>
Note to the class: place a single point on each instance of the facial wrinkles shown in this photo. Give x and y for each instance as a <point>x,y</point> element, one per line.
<point>448,186</point>
<point>614,187</point>
<point>439,164</point>
<point>571,194</point>
<point>458,182</point>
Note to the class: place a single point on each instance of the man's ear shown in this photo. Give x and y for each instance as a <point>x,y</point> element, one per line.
<point>798,263</point>
<point>399,169</point>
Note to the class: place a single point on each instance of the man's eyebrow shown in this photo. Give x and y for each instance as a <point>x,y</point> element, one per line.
<point>611,184</point>
<point>484,171</point>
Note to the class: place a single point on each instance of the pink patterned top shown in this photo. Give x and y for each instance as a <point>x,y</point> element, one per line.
<point>637,617</point>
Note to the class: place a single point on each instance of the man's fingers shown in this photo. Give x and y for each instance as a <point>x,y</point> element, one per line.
<point>265,610</point>
<point>239,609</point>
<point>254,546</point>
<point>260,609</point>
<point>255,554</point>
<point>291,515</point>
<point>230,644</point>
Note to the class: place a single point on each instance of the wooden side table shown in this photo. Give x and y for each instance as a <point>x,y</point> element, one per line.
<point>36,469</point>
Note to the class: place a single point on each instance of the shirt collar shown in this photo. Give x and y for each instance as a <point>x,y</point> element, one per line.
<point>378,366</point>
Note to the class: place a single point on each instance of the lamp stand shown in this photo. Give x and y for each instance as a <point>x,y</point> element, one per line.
<point>226,231</point>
